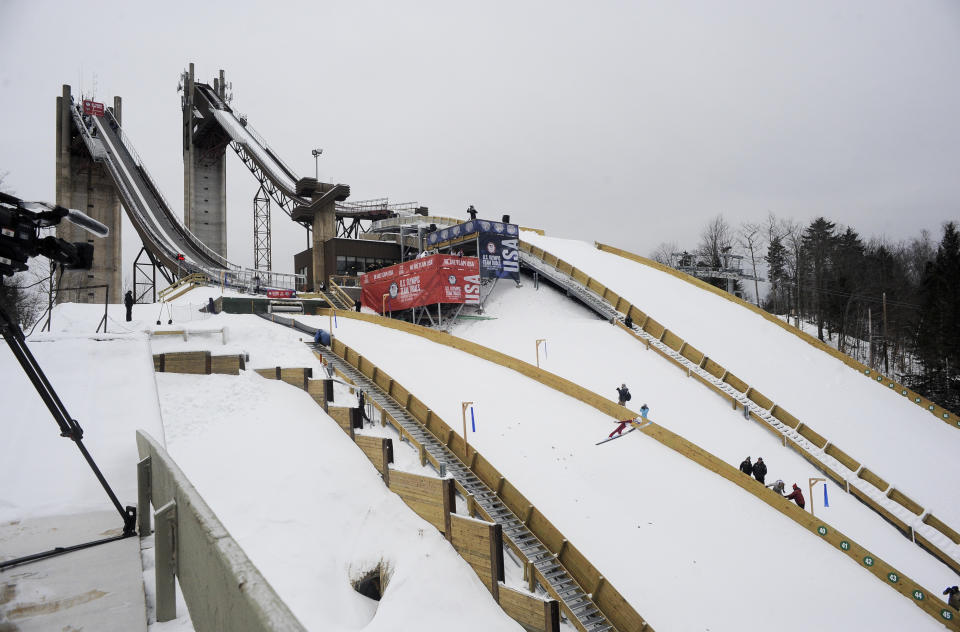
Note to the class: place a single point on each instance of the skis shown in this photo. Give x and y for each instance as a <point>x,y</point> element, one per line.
<point>622,434</point>
<point>634,425</point>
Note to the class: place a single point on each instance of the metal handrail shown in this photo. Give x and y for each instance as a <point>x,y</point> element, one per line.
<point>257,137</point>
<point>188,234</point>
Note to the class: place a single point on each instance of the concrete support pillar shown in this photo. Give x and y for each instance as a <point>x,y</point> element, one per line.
<point>87,186</point>
<point>204,172</point>
<point>324,229</point>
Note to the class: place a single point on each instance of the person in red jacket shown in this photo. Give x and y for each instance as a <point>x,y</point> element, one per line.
<point>796,495</point>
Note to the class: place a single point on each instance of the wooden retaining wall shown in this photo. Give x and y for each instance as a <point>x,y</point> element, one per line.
<point>480,543</point>
<point>430,498</point>
<point>531,612</point>
<point>198,363</point>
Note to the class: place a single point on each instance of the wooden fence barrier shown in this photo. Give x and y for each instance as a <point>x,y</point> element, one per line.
<point>198,363</point>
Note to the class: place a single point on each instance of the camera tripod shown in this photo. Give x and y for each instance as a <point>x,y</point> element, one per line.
<point>69,428</point>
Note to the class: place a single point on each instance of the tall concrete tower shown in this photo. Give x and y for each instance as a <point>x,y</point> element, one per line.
<point>204,168</point>
<point>85,185</point>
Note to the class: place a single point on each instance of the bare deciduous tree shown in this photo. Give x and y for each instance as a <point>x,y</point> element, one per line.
<point>663,253</point>
<point>715,241</point>
<point>750,238</point>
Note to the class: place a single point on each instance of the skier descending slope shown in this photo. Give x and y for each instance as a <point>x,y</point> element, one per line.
<point>634,423</point>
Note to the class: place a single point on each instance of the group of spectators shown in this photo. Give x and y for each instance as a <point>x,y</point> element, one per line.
<point>759,471</point>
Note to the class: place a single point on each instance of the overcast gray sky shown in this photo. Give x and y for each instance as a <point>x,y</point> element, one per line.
<point>631,123</point>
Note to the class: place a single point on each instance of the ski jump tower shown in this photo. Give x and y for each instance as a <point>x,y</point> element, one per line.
<point>86,185</point>
<point>204,167</point>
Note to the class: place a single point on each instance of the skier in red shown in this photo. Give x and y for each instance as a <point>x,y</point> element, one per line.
<point>623,424</point>
<point>796,495</point>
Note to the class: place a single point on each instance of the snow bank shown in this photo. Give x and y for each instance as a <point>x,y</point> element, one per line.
<point>312,512</point>
<point>107,385</point>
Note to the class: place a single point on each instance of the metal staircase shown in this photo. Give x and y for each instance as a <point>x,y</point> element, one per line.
<point>575,603</point>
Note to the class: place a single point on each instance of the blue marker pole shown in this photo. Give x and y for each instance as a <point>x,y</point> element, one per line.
<point>334,320</point>
<point>473,422</point>
<point>826,502</point>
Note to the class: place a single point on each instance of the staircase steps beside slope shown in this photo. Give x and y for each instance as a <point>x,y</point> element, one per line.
<point>560,582</point>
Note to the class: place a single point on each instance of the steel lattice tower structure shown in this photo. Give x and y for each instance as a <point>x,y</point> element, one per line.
<point>261,230</point>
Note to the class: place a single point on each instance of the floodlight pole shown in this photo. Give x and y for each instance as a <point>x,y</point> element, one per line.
<point>463,410</point>
<point>539,340</point>
<point>811,482</point>
<point>316,162</point>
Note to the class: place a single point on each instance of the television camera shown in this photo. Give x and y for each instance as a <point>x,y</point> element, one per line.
<point>20,224</point>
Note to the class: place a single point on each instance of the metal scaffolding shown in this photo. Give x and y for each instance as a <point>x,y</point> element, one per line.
<point>261,230</point>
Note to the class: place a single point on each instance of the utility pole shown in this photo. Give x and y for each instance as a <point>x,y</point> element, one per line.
<point>466,444</point>
<point>870,334</point>
<point>886,362</point>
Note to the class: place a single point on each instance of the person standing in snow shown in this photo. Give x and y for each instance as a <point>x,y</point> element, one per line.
<point>746,466</point>
<point>953,598</point>
<point>759,469</point>
<point>362,403</point>
<point>628,322</point>
<point>624,395</point>
<point>643,411</point>
<point>777,487</point>
<point>128,303</point>
<point>797,496</point>
<point>211,308</point>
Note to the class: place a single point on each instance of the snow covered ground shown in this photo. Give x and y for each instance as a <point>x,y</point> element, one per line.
<point>304,503</point>
<point>94,375</point>
<point>892,436</point>
<point>679,403</point>
<point>662,529</point>
<point>312,512</point>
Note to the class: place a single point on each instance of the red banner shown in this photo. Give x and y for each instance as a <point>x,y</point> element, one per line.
<point>92,107</point>
<point>281,294</point>
<point>424,281</point>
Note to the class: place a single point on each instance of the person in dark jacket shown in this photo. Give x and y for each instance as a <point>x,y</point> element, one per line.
<point>211,308</point>
<point>628,322</point>
<point>357,305</point>
<point>746,466</point>
<point>953,598</point>
<point>797,496</point>
<point>759,469</point>
<point>128,302</point>
<point>472,212</point>
<point>362,403</point>
<point>624,394</point>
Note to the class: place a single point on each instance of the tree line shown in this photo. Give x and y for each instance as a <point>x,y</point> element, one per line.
<point>894,306</point>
